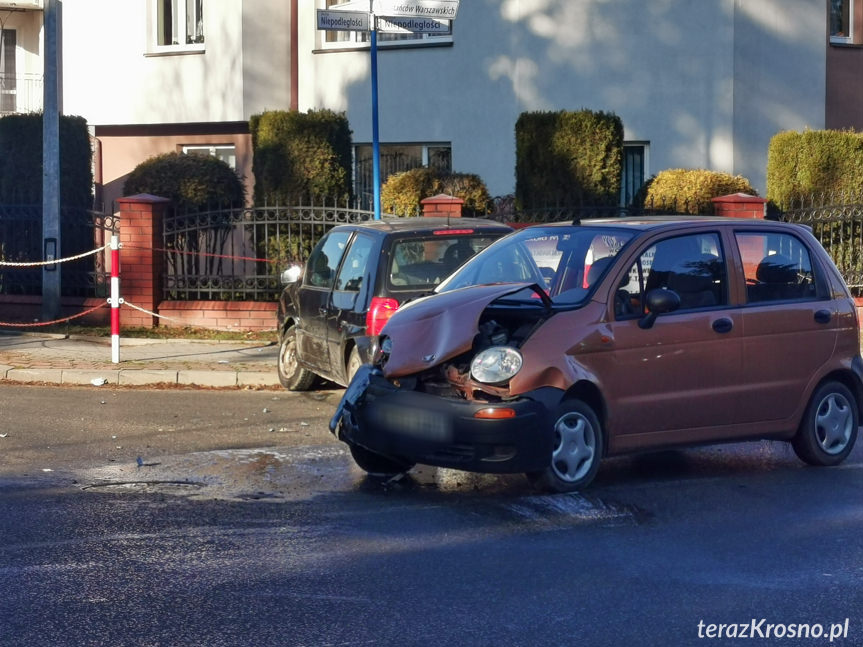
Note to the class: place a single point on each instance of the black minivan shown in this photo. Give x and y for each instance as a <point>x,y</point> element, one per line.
<point>356,277</point>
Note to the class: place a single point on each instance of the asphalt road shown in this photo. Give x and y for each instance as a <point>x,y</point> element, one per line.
<point>247,524</point>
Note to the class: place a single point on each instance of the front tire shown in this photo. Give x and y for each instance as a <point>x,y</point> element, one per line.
<point>291,375</point>
<point>829,427</point>
<point>354,363</point>
<point>578,448</point>
<point>376,464</point>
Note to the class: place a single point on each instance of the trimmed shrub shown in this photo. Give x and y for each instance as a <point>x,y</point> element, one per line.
<point>568,159</point>
<point>403,192</point>
<point>192,182</point>
<point>299,155</point>
<point>813,163</point>
<point>690,190</point>
<point>21,161</point>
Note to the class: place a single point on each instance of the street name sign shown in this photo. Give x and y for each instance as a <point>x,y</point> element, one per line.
<point>343,20</point>
<point>441,9</point>
<point>401,25</point>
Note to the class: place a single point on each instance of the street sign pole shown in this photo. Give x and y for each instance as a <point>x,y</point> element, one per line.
<point>399,16</point>
<point>376,144</point>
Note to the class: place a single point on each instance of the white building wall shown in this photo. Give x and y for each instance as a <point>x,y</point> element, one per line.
<point>669,68</point>
<point>780,63</point>
<point>110,79</point>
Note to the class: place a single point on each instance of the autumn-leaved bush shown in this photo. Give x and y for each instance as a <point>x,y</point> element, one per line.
<point>402,193</point>
<point>691,190</point>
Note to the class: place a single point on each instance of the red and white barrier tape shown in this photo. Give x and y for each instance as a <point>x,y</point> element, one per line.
<point>153,314</point>
<point>48,323</point>
<point>56,260</point>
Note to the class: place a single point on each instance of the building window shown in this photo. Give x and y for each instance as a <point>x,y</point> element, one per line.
<point>353,39</point>
<point>8,78</point>
<point>225,152</point>
<point>635,160</point>
<point>841,21</point>
<point>176,25</point>
<point>396,158</point>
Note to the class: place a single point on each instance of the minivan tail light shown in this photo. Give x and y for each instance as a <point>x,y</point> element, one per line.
<point>380,311</point>
<point>452,232</point>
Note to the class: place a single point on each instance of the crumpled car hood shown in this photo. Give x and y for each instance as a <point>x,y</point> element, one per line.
<point>436,328</point>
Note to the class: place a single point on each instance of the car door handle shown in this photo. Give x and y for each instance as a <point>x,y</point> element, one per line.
<point>723,325</point>
<point>823,316</point>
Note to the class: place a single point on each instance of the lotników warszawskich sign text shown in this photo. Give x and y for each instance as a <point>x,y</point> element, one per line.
<point>442,9</point>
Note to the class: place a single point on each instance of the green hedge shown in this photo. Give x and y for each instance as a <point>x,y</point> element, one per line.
<point>21,161</point>
<point>299,155</point>
<point>691,190</point>
<point>568,158</point>
<point>402,193</point>
<point>192,182</point>
<point>813,163</point>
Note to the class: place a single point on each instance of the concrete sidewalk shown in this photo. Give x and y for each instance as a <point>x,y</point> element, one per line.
<point>82,360</point>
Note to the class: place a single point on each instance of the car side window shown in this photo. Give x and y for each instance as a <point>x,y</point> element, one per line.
<point>356,264</point>
<point>693,266</point>
<point>322,264</point>
<point>777,267</point>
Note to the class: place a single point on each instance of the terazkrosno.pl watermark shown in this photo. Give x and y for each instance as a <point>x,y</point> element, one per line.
<point>761,628</point>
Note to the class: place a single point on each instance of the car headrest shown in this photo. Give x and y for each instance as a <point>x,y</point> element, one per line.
<point>776,268</point>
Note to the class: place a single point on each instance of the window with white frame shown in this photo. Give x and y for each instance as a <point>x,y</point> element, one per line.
<point>396,158</point>
<point>841,21</point>
<point>176,25</point>
<point>346,39</point>
<point>8,77</point>
<point>225,152</point>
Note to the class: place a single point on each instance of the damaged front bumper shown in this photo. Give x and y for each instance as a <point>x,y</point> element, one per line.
<point>501,437</point>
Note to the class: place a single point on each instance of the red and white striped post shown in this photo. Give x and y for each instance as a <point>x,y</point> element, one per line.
<point>115,299</point>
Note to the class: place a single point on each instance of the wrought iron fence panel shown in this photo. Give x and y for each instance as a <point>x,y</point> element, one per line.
<point>839,228</point>
<point>238,254</point>
<point>81,230</point>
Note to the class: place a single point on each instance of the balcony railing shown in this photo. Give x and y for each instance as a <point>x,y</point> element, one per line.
<point>20,93</point>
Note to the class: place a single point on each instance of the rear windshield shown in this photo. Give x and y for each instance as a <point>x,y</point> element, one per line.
<point>564,261</point>
<point>422,263</point>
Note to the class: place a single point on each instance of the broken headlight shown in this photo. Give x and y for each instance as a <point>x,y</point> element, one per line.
<point>495,365</point>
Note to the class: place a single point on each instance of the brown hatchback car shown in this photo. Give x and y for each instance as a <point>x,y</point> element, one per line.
<point>561,344</point>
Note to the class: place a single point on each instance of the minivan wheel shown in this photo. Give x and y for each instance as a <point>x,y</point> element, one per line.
<point>578,447</point>
<point>829,427</point>
<point>377,464</point>
<point>292,376</point>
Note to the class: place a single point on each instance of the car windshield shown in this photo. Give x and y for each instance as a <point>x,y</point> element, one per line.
<point>565,261</point>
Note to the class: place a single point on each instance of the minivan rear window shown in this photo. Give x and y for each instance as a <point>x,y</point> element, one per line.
<point>422,263</point>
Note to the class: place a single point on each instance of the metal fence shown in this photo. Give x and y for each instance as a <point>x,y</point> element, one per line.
<point>21,242</point>
<point>238,254</point>
<point>837,222</point>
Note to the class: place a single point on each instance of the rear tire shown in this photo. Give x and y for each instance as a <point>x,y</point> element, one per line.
<point>291,375</point>
<point>578,448</point>
<point>377,464</point>
<point>829,427</point>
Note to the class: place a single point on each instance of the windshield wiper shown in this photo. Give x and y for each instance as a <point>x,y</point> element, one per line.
<point>543,297</point>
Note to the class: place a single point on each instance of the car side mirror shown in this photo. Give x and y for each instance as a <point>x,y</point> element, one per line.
<point>291,275</point>
<point>658,302</point>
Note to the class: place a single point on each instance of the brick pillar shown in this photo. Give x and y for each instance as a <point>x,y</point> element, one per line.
<point>740,205</point>
<point>442,205</point>
<point>140,262</point>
